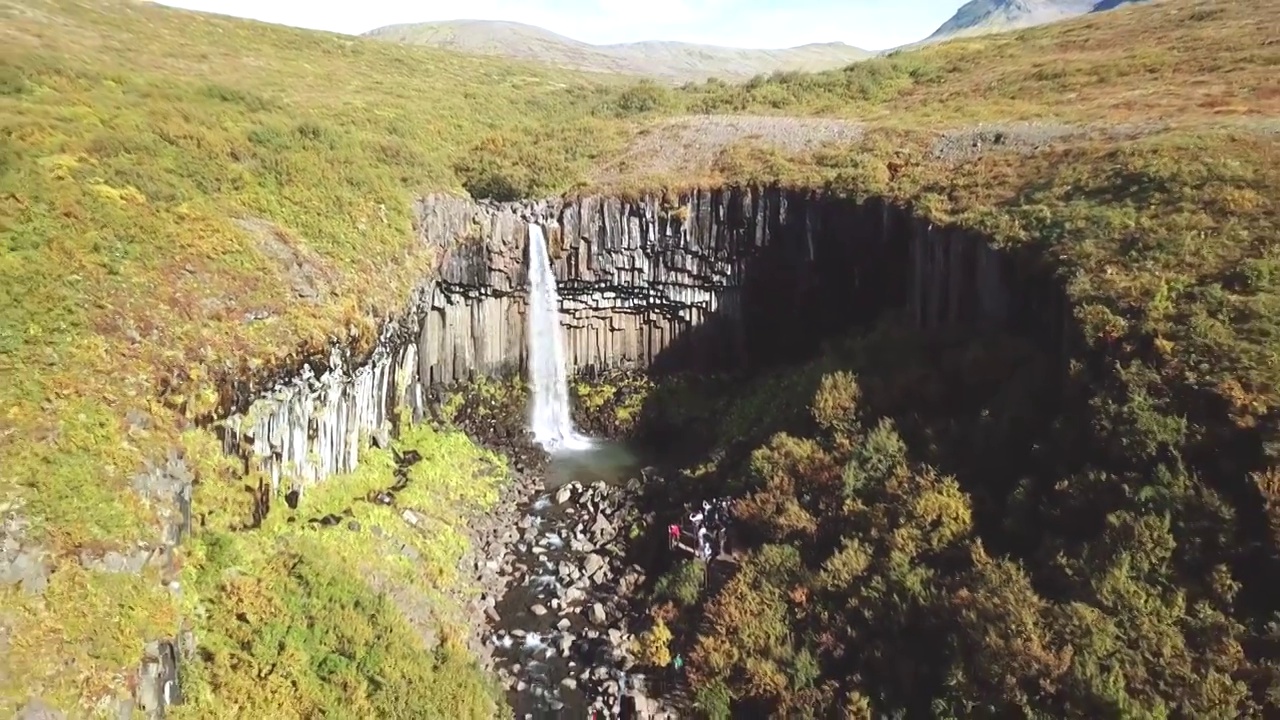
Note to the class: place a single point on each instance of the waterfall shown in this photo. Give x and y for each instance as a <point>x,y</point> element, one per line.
<point>548,372</point>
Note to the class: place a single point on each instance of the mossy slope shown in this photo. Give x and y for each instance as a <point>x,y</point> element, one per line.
<point>185,199</point>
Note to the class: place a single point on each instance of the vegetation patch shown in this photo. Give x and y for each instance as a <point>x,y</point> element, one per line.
<point>347,603</point>
<point>953,488</point>
<point>610,405</point>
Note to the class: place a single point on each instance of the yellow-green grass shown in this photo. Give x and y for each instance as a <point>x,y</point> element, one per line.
<point>454,481</point>
<point>135,136</point>
<point>274,603</point>
<point>134,139</point>
<point>1179,62</point>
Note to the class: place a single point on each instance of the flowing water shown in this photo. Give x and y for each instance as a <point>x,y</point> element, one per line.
<point>549,417</point>
<point>544,648</point>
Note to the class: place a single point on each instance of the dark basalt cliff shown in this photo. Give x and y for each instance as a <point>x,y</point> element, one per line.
<point>719,279</point>
<point>722,278</point>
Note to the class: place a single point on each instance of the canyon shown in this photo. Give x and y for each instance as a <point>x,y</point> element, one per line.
<point>734,279</point>
<point>737,279</point>
<point>258,385</point>
<point>722,279</point>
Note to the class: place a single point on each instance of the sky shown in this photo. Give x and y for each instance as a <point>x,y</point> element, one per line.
<point>868,24</point>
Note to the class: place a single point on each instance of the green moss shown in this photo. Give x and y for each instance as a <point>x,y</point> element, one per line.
<point>85,620</point>
<point>593,396</point>
<point>682,584</point>
<point>309,606</point>
<point>302,635</point>
<point>78,494</point>
<point>613,405</point>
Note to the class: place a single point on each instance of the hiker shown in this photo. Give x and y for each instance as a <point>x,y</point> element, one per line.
<point>722,511</point>
<point>704,543</point>
<point>673,535</point>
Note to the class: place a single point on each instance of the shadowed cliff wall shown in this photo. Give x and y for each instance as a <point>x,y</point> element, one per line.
<point>720,279</point>
<point>762,273</point>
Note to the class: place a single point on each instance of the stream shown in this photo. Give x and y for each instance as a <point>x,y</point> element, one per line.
<point>561,641</point>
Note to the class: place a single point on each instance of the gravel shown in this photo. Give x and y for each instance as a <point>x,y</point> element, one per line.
<point>690,145</point>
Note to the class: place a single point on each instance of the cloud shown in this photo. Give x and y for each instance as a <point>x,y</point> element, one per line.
<point>870,24</point>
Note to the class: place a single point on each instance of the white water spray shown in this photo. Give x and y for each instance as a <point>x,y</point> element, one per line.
<point>548,374</point>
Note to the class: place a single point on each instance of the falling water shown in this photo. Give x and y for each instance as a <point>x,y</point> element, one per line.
<point>548,373</point>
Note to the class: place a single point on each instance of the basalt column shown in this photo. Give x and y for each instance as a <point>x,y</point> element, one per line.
<point>713,279</point>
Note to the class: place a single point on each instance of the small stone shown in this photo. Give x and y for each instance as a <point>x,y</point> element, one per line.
<point>596,614</point>
<point>538,610</point>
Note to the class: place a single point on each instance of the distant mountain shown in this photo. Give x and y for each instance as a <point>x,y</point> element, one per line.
<point>985,16</point>
<point>670,61</point>
<point>1113,4</point>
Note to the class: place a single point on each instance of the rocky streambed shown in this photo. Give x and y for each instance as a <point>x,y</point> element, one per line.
<point>554,614</point>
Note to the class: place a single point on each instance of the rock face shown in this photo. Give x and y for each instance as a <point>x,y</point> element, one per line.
<point>986,16</point>
<point>721,278</point>
<point>311,427</point>
<point>716,279</point>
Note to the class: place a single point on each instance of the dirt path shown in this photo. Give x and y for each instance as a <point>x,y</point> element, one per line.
<point>690,145</point>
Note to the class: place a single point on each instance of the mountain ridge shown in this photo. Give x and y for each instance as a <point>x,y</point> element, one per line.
<point>672,61</point>
<point>978,17</point>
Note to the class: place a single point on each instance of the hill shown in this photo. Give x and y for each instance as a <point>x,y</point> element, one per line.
<point>670,61</point>
<point>986,16</point>
<point>1131,153</point>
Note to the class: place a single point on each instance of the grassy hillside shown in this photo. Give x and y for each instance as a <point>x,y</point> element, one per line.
<point>136,137</point>
<point>1199,63</point>
<point>668,61</point>
<point>138,142</point>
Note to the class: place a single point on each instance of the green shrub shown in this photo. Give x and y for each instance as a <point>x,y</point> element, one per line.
<point>681,584</point>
